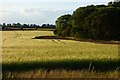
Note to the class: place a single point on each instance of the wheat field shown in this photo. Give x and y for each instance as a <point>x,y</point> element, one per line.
<point>23,56</point>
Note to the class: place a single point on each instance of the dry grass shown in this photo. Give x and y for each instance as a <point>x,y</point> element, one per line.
<point>61,74</point>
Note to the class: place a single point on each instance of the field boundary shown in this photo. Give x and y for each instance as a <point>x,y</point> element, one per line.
<point>77,39</point>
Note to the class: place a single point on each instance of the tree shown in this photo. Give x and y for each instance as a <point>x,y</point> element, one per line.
<point>63,26</point>
<point>4,26</point>
<point>114,4</point>
<point>18,25</point>
<point>91,22</point>
<point>103,24</point>
<point>78,17</point>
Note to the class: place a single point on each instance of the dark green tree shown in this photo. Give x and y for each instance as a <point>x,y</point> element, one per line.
<point>78,17</point>
<point>4,26</point>
<point>63,26</point>
<point>103,24</point>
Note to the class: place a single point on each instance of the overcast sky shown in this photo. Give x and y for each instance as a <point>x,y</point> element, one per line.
<point>40,11</point>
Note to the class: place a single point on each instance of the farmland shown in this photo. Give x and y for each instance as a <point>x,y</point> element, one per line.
<point>23,56</point>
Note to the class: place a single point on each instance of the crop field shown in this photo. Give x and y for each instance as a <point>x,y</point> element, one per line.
<point>25,57</point>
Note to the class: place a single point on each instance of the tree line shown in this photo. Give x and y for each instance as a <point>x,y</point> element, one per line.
<point>17,26</point>
<point>99,22</point>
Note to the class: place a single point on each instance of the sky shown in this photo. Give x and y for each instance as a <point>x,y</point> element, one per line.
<point>40,11</point>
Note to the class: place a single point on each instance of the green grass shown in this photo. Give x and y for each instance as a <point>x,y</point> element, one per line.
<point>22,53</point>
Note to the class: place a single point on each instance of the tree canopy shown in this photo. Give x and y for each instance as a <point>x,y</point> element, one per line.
<point>19,26</point>
<point>91,22</point>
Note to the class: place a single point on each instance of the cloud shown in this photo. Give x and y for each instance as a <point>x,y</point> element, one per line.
<point>54,0</point>
<point>33,15</point>
<point>34,11</point>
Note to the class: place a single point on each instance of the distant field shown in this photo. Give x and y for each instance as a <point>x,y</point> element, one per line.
<point>25,56</point>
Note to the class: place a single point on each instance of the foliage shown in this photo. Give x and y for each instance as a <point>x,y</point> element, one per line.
<point>114,4</point>
<point>92,22</point>
<point>63,26</point>
<point>103,24</point>
<point>19,26</point>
